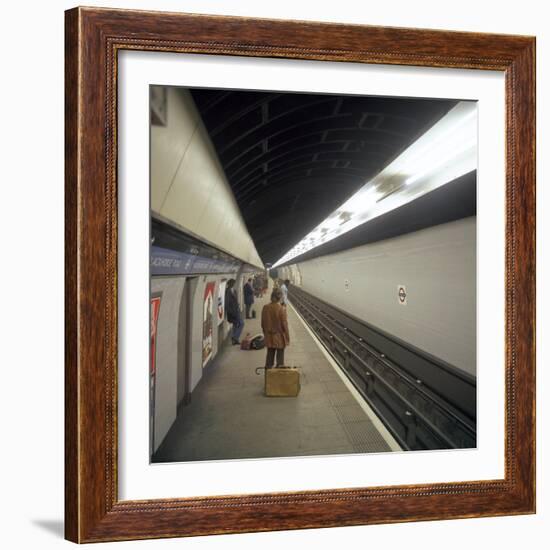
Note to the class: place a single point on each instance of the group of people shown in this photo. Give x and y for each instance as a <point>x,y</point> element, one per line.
<point>274,318</point>
<point>259,284</point>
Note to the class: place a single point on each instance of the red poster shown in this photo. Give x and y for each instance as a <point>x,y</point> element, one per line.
<point>155,309</point>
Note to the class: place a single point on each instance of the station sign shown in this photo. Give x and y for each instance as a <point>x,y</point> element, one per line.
<point>402,295</point>
<point>173,262</point>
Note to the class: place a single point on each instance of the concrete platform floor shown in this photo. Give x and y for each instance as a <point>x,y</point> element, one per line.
<point>230,418</point>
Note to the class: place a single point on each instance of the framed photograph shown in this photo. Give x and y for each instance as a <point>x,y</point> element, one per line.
<point>300,275</point>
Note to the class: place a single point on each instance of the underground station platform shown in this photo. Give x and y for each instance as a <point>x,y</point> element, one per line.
<point>229,416</point>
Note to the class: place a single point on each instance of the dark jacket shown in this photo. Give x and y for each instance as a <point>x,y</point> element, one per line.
<point>248,294</point>
<point>231,306</point>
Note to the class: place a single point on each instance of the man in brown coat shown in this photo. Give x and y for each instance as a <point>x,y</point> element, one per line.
<point>275,328</point>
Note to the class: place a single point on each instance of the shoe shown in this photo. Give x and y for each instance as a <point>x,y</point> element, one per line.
<point>235,342</point>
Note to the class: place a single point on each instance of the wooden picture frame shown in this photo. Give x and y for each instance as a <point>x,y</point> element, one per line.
<point>93,511</point>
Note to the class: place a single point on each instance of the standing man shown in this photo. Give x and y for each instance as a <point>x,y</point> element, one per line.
<point>248,297</point>
<point>275,328</point>
<point>265,283</point>
<point>284,291</point>
<point>233,312</point>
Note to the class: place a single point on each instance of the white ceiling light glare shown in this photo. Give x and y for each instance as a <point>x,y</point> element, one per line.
<point>450,149</point>
<point>442,154</point>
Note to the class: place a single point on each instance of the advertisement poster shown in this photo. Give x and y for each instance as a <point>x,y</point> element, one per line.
<point>208,311</point>
<point>221,302</point>
<point>155,310</point>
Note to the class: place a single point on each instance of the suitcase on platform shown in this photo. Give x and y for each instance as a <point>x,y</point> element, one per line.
<point>282,382</point>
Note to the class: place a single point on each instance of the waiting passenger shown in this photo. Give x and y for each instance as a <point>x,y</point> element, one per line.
<point>233,312</point>
<point>248,297</point>
<point>284,291</point>
<point>275,329</point>
<point>259,286</point>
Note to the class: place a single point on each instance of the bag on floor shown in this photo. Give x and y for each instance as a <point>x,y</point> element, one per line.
<point>245,342</point>
<point>257,342</point>
<point>253,314</point>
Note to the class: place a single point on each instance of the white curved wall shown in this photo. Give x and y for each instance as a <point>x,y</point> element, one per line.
<point>438,268</point>
<point>188,185</point>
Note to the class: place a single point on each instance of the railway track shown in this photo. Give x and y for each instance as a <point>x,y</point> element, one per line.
<point>424,403</point>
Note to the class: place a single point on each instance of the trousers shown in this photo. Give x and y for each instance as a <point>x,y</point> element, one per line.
<point>236,329</point>
<point>280,352</point>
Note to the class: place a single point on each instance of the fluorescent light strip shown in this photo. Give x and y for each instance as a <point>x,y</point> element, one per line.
<point>452,141</point>
<point>445,161</point>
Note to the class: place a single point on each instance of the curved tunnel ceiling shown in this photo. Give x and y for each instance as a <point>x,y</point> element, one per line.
<point>291,158</point>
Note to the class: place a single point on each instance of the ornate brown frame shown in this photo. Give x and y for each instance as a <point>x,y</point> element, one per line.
<point>92,509</point>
